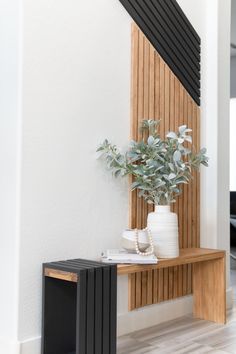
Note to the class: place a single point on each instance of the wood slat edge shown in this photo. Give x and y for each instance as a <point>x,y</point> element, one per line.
<point>61,275</point>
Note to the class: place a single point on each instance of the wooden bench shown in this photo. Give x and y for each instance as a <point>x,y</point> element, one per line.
<point>209,280</point>
<point>79,298</point>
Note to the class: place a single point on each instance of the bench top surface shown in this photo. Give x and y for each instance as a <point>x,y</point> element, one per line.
<point>187,256</point>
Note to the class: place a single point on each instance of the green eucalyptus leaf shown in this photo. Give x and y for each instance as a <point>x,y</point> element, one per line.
<point>177,156</point>
<point>172,175</point>
<point>172,135</point>
<point>150,140</point>
<point>180,140</point>
<point>182,129</point>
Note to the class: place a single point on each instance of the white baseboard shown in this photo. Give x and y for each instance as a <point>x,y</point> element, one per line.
<point>31,346</point>
<point>153,315</point>
<point>229,298</point>
<point>127,322</point>
<point>8,346</point>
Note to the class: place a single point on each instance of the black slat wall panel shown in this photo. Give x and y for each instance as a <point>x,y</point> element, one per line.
<point>81,324</point>
<point>172,35</point>
<point>106,312</point>
<point>113,307</point>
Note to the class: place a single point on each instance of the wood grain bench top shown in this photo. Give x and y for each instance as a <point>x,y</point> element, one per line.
<point>187,256</point>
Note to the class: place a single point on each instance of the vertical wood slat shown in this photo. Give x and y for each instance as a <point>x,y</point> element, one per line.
<point>155,286</point>
<point>171,283</point>
<point>140,84</point>
<point>185,221</point>
<point>166,284</point>
<point>144,288</point>
<point>132,292</point>
<point>138,290</point>
<point>156,93</point>
<point>180,281</point>
<point>198,179</point>
<point>194,186</point>
<point>160,289</point>
<point>150,279</point>
<point>133,198</point>
<point>146,104</point>
<point>175,281</point>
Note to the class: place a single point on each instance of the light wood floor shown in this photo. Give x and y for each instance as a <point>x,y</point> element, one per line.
<point>184,336</point>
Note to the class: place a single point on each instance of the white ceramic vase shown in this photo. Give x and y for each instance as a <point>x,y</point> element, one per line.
<point>163,225</point>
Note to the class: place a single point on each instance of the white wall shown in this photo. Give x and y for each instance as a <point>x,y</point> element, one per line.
<point>232,144</point>
<point>76,92</point>
<point>215,84</point>
<point>212,21</point>
<point>76,83</point>
<point>223,116</point>
<point>9,176</point>
<point>233,51</point>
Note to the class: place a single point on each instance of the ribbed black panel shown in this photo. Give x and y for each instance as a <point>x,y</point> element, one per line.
<point>80,318</point>
<point>172,35</point>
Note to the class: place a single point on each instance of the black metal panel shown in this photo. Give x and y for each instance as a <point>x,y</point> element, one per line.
<point>113,308</point>
<point>98,311</point>
<point>81,322</point>
<point>172,35</point>
<point>106,312</point>
<point>90,311</point>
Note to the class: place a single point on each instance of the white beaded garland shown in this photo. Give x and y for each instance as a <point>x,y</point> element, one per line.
<point>150,241</point>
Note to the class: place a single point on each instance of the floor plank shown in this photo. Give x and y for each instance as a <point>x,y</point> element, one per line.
<point>184,335</point>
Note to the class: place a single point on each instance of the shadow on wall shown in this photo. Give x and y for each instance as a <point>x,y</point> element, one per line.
<point>233,77</point>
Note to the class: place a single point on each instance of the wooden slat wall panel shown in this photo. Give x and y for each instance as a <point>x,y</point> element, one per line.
<point>157,93</point>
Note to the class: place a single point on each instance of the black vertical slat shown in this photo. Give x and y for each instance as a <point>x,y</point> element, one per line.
<point>81,324</point>
<point>106,312</point>
<point>43,314</point>
<point>90,311</point>
<point>98,310</point>
<point>113,308</point>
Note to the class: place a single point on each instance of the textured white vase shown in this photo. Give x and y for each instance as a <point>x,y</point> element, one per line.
<point>163,225</point>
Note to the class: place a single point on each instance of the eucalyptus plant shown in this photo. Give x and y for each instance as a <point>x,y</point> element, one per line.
<point>159,166</point>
